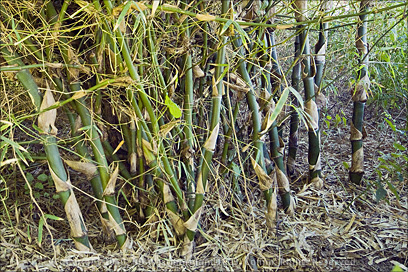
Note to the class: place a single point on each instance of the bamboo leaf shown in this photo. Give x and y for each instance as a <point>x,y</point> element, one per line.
<point>399,147</point>
<point>278,108</point>
<point>393,190</point>
<point>298,96</point>
<point>12,143</point>
<point>244,36</point>
<point>53,217</point>
<point>225,27</point>
<point>380,193</point>
<point>122,15</point>
<point>173,107</point>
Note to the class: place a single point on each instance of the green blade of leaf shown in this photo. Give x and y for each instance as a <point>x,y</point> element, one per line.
<point>173,107</point>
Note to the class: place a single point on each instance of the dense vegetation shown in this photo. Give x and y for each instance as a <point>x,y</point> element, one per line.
<point>159,104</point>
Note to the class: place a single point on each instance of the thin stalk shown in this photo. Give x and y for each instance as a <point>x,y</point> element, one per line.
<point>174,9</point>
<point>188,147</point>
<point>258,144</point>
<point>321,45</point>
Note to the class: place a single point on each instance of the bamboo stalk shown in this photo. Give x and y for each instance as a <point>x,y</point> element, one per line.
<point>107,179</point>
<point>275,147</point>
<point>310,105</point>
<point>209,145</point>
<point>359,97</point>
<point>61,179</point>
<point>294,116</point>
<point>188,146</point>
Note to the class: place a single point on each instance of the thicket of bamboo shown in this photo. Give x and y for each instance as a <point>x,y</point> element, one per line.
<point>171,96</point>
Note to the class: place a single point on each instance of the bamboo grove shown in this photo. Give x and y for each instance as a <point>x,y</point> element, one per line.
<point>153,92</point>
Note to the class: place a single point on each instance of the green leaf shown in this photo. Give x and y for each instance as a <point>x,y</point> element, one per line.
<point>399,147</point>
<point>381,193</point>
<point>13,144</point>
<point>122,15</point>
<point>3,127</point>
<point>53,217</point>
<point>56,196</point>
<point>41,225</point>
<point>392,189</point>
<point>39,185</point>
<point>29,177</point>
<point>397,268</point>
<point>327,124</point>
<point>244,36</point>
<point>21,156</point>
<point>298,97</point>
<point>281,103</point>
<point>236,169</point>
<point>173,107</point>
<point>345,164</point>
<point>42,177</point>
<point>40,231</point>
<point>225,27</point>
<point>391,125</point>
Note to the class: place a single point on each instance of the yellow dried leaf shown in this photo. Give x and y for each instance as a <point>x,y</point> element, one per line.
<point>177,222</point>
<point>79,94</point>
<point>198,72</point>
<point>165,129</point>
<point>167,195</point>
<point>205,17</point>
<point>265,181</point>
<point>284,26</point>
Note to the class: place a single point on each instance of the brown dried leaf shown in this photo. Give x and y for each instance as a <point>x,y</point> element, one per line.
<point>87,168</point>
<point>265,181</point>
<point>192,222</point>
<point>198,72</point>
<point>110,187</point>
<point>46,120</point>
<point>212,139</point>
